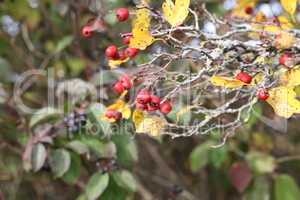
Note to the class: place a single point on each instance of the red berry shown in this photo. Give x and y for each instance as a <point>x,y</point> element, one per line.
<point>285,59</point>
<point>119,88</point>
<point>109,113</point>
<point>122,14</point>
<point>141,106</point>
<point>113,114</point>
<point>262,94</point>
<point>155,99</point>
<point>249,10</point>
<point>165,107</point>
<point>151,107</point>
<point>87,31</point>
<point>126,82</point>
<point>131,52</point>
<point>122,55</point>
<point>244,77</point>
<point>117,115</point>
<point>154,103</point>
<point>111,52</point>
<point>143,97</point>
<point>126,39</point>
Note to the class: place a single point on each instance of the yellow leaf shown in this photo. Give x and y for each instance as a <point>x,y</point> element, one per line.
<point>284,40</point>
<point>284,102</point>
<point>226,82</point>
<point>153,125</point>
<point>115,63</point>
<point>291,78</point>
<point>289,5</point>
<point>257,79</point>
<point>142,37</point>
<point>121,107</point>
<point>137,117</point>
<point>176,14</point>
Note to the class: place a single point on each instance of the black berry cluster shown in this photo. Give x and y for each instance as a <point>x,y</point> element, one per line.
<point>75,120</point>
<point>107,165</point>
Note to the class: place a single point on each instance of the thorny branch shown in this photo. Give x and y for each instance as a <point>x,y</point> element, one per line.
<point>210,54</point>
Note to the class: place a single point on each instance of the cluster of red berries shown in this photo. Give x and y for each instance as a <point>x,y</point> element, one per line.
<point>149,102</point>
<point>262,93</point>
<point>88,30</point>
<point>113,114</point>
<point>112,52</point>
<point>124,83</point>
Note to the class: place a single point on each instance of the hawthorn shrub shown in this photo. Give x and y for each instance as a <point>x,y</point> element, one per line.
<point>111,98</point>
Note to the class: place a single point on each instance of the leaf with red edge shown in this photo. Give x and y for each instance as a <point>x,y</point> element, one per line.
<point>240,176</point>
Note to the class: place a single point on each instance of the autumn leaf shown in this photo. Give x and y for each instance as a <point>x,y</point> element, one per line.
<point>142,37</point>
<point>289,5</point>
<point>291,78</point>
<point>284,102</point>
<point>226,82</point>
<point>284,40</point>
<point>116,63</point>
<point>176,14</point>
<point>144,123</point>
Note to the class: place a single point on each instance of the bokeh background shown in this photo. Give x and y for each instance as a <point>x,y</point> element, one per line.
<point>259,162</point>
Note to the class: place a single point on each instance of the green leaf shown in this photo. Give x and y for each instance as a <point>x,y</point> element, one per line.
<point>261,163</point>
<point>63,43</point>
<point>217,156</point>
<point>73,173</point>
<point>260,190</point>
<point>60,161</point>
<point>78,147</point>
<point>286,188</point>
<point>114,192</point>
<point>43,115</point>
<point>94,144</point>
<point>76,66</point>
<point>199,156</point>
<point>96,185</point>
<point>125,180</point>
<point>38,157</point>
<point>126,149</point>
<point>95,112</point>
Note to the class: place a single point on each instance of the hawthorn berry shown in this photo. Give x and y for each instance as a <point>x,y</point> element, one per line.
<point>119,88</point>
<point>249,10</point>
<point>113,114</point>
<point>143,97</point>
<point>285,59</point>
<point>126,39</point>
<point>121,55</point>
<point>126,82</point>
<point>165,107</point>
<point>111,52</point>
<point>154,103</point>
<point>122,14</point>
<point>141,106</point>
<point>262,94</point>
<point>131,52</point>
<point>244,77</point>
<point>87,31</point>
